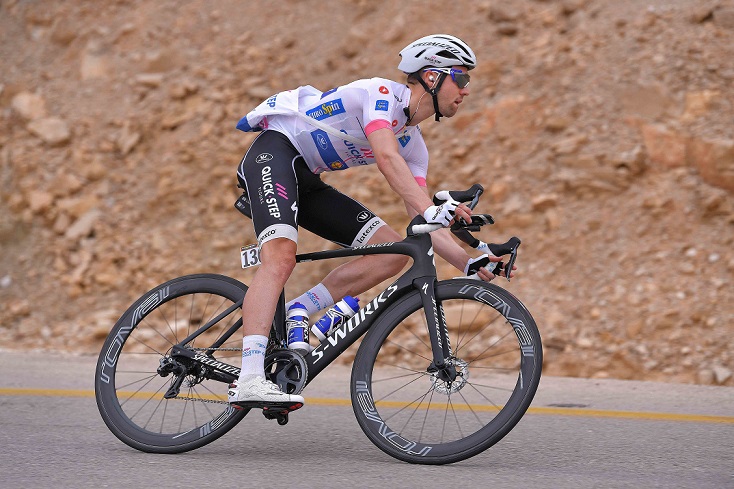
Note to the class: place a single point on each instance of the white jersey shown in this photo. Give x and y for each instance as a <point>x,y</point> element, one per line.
<point>330,129</point>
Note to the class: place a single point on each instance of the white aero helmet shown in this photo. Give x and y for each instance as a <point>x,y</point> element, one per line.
<point>438,50</point>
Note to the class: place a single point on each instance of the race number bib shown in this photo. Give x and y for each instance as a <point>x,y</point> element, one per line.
<point>250,256</point>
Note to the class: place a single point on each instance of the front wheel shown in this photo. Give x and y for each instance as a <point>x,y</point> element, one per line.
<point>410,411</point>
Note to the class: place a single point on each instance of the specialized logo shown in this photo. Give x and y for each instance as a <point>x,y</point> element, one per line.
<point>384,90</point>
<point>263,158</point>
<point>382,105</point>
<point>326,110</point>
<point>363,216</point>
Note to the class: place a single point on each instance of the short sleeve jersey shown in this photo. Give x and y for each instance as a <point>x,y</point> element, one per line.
<point>356,109</point>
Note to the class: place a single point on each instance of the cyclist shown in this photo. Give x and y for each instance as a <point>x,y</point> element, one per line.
<point>306,132</point>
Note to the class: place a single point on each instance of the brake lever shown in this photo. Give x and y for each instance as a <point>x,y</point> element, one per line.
<point>508,248</point>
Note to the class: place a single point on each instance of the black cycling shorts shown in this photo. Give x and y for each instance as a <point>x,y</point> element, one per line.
<point>284,194</point>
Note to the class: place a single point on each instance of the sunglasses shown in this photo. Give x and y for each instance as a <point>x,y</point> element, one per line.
<point>460,78</point>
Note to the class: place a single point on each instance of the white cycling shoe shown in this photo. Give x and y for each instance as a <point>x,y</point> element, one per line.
<point>258,392</point>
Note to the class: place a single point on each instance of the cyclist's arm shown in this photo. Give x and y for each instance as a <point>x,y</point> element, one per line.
<point>447,248</point>
<point>392,165</point>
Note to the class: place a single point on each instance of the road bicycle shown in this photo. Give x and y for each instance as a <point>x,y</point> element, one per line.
<point>446,369</point>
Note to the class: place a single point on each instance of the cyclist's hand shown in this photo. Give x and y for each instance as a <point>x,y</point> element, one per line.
<point>484,266</point>
<point>441,214</point>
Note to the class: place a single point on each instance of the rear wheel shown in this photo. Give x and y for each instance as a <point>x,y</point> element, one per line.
<point>408,411</point>
<point>129,380</point>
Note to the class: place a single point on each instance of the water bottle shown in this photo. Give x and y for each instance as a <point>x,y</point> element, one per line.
<point>340,312</point>
<point>296,324</point>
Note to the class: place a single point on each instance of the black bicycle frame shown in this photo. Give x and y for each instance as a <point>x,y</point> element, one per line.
<point>420,276</point>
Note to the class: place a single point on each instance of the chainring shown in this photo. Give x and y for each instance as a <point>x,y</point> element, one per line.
<point>287,369</point>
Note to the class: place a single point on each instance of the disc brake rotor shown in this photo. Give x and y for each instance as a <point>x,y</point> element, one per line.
<point>462,376</point>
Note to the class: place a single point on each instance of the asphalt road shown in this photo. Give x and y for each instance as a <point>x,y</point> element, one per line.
<point>578,433</point>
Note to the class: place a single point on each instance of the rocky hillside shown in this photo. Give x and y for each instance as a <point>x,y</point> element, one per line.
<point>602,131</point>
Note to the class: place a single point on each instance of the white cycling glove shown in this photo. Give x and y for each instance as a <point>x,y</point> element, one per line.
<point>474,264</point>
<point>441,214</point>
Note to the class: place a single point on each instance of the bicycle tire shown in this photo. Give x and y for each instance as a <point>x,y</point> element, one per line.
<point>412,415</point>
<point>128,389</point>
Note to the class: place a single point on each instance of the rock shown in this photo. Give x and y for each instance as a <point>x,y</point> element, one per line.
<point>51,130</point>
<point>152,80</point>
<point>699,103</point>
<point>569,145</point>
<point>503,12</point>
<point>544,201</point>
<point>714,159</point>
<point>94,66</point>
<point>29,106</point>
<point>721,374</point>
<point>39,201</point>
<point>665,148</point>
<point>724,17</point>
<point>127,139</point>
<point>507,28</point>
<point>83,226</point>
<point>705,376</point>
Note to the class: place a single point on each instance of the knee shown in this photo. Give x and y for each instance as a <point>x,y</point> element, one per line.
<point>278,257</point>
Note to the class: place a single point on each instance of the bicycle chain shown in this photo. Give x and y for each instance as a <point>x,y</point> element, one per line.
<point>214,349</point>
<point>212,401</point>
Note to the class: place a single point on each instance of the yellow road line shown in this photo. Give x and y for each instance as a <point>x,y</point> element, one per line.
<point>554,411</point>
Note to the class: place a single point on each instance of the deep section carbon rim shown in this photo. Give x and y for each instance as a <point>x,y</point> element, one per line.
<point>129,387</point>
<point>410,412</point>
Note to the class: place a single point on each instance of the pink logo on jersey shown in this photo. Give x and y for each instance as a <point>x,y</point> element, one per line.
<point>281,191</point>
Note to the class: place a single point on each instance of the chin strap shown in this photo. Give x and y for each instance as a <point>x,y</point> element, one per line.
<point>434,92</point>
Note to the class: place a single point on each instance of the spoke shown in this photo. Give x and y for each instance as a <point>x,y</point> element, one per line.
<point>456,418</point>
<point>206,405</point>
<point>145,426</point>
<point>422,396</point>
<point>387,340</point>
<point>393,392</point>
<point>418,337</point>
<point>400,367</point>
<point>146,345</point>
<point>149,379</point>
<point>191,315</point>
<point>428,409</point>
<point>475,385</point>
<point>505,369</point>
<point>399,376</point>
<point>480,332</point>
<point>468,329</point>
<point>470,409</point>
<point>175,337</point>
<point>486,398</point>
<point>163,419</point>
<point>146,402</point>
<point>478,359</point>
<point>400,432</point>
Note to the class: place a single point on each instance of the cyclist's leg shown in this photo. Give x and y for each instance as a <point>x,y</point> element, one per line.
<point>267,173</point>
<point>341,219</point>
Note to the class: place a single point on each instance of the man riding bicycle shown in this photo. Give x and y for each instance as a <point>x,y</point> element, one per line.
<point>306,132</point>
